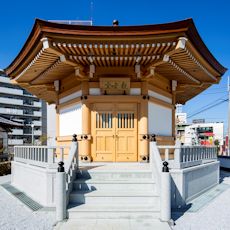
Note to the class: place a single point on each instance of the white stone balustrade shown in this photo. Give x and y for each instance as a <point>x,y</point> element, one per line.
<point>42,156</point>
<point>187,156</point>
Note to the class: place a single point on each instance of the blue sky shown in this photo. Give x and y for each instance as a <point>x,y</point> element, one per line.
<point>211,18</point>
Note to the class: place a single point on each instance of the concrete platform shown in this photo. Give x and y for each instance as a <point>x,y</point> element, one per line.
<point>107,166</point>
<point>108,224</point>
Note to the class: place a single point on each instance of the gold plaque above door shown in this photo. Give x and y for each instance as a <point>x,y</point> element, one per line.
<point>114,86</point>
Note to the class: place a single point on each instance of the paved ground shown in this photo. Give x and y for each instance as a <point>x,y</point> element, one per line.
<point>211,212</point>
<point>112,224</point>
<point>16,216</point>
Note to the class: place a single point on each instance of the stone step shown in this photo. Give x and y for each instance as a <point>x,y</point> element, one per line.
<point>112,212</point>
<point>114,175</point>
<point>92,184</point>
<point>111,198</point>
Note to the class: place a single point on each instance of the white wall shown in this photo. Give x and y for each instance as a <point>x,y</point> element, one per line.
<point>38,183</point>
<point>159,119</point>
<point>159,96</point>
<point>191,182</point>
<point>70,97</point>
<point>51,125</point>
<point>70,120</point>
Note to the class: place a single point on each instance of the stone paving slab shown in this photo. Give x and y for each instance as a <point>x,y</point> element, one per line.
<point>211,210</point>
<point>111,224</point>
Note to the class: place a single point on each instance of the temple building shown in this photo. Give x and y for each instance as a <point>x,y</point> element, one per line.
<point>115,86</point>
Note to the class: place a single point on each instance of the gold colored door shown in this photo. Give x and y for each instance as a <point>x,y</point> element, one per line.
<point>103,131</point>
<point>114,129</point>
<point>126,132</point>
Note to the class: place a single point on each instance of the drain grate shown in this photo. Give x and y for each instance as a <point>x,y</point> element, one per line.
<point>33,205</point>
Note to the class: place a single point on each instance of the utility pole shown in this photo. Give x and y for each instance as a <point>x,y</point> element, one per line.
<point>228,116</point>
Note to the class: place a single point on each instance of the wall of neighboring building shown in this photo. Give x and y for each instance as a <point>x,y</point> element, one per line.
<point>192,133</point>
<point>3,140</point>
<point>18,105</point>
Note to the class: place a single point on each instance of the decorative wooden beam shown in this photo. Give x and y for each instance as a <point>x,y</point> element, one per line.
<point>30,64</point>
<point>174,85</point>
<point>150,73</point>
<point>138,71</point>
<point>79,72</point>
<point>198,63</point>
<point>181,43</point>
<point>172,63</point>
<point>91,70</point>
<point>47,70</point>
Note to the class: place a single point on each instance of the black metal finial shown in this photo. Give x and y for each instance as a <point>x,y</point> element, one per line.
<point>74,138</point>
<point>165,167</point>
<point>61,166</point>
<point>153,138</point>
<point>115,22</point>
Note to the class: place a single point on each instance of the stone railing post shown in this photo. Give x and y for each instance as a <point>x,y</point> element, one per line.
<point>154,143</point>
<point>74,140</point>
<point>60,192</point>
<point>177,155</point>
<point>165,196</point>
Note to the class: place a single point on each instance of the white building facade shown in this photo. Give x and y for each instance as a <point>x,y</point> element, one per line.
<point>16,104</point>
<point>204,133</point>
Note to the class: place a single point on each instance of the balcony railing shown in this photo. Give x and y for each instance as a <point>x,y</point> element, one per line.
<point>17,132</point>
<point>11,101</point>
<point>37,104</point>
<point>38,132</point>
<point>15,141</point>
<point>4,79</point>
<point>37,113</point>
<point>37,123</point>
<point>11,91</point>
<point>187,156</point>
<point>11,111</point>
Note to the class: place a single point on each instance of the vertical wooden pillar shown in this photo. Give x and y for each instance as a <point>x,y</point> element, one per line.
<point>173,115</point>
<point>143,123</point>
<point>174,86</point>
<point>86,124</point>
<point>57,118</point>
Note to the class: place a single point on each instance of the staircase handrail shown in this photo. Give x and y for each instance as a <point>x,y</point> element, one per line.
<point>71,167</point>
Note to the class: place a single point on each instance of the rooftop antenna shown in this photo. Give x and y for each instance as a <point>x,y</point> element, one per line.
<point>91,11</point>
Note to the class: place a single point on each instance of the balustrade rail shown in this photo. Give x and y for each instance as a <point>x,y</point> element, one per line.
<point>186,156</point>
<point>42,156</point>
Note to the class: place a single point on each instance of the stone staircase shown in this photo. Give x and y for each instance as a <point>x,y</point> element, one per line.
<point>115,191</point>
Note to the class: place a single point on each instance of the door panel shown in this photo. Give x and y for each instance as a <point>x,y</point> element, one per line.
<point>126,136</point>
<point>114,129</point>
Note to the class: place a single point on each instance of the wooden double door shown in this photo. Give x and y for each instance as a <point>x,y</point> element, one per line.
<point>114,131</point>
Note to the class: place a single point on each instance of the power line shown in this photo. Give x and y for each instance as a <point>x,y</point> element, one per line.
<point>213,102</point>
<point>210,107</point>
<point>218,92</point>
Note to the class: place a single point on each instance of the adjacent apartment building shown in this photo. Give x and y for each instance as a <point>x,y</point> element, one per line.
<point>204,133</point>
<point>16,104</point>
